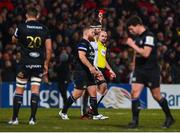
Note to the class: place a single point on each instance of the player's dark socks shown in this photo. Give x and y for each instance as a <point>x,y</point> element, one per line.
<point>34,104</point>
<point>85,102</point>
<point>133,124</point>
<point>135,109</point>
<point>100,100</point>
<point>93,104</point>
<point>17,101</point>
<point>164,105</point>
<point>69,102</point>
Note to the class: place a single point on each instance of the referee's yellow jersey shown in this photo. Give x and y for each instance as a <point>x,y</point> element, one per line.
<point>101,61</point>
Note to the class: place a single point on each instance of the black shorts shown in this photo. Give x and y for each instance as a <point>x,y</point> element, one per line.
<point>99,82</point>
<point>83,79</point>
<point>28,71</point>
<point>149,77</point>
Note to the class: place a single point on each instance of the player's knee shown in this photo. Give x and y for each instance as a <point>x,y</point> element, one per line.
<point>102,88</point>
<point>77,93</point>
<point>35,89</point>
<point>156,97</point>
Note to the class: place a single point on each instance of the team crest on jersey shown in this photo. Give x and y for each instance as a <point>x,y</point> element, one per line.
<point>149,84</point>
<point>140,42</point>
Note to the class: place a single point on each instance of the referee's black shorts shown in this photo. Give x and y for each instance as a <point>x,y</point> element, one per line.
<point>83,79</point>
<point>149,77</point>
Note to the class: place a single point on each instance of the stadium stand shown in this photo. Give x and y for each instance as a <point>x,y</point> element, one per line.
<point>65,19</point>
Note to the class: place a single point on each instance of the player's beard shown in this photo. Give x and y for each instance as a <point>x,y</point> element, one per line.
<point>91,39</point>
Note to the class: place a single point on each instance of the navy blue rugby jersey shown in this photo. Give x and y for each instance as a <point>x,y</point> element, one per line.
<point>31,37</point>
<point>85,46</point>
<point>147,39</point>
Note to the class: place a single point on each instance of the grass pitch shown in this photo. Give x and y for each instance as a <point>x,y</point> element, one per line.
<point>49,121</point>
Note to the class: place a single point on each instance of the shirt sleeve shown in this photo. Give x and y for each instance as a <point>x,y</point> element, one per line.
<point>16,33</point>
<point>82,47</point>
<point>149,41</point>
<point>47,35</point>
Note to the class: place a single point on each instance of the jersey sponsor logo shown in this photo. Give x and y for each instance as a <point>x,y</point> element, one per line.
<point>134,79</point>
<point>103,52</point>
<point>33,66</point>
<point>34,54</point>
<point>34,27</point>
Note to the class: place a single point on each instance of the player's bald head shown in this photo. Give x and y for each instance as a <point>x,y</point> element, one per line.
<point>103,32</point>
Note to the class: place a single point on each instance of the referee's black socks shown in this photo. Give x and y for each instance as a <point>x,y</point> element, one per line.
<point>17,101</point>
<point>164,105</point>
<point>135,109</point>
<point>69,102</point>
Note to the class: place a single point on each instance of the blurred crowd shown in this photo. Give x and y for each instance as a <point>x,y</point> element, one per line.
<point>65,20</point>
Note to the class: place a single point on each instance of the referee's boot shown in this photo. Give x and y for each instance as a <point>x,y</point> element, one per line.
<point>133,124</point>
<point>168,122</point>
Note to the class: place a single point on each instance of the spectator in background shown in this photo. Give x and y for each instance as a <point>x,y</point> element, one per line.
<point>8,73</point>
<point>67,17</point>
<point>63,72</point>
